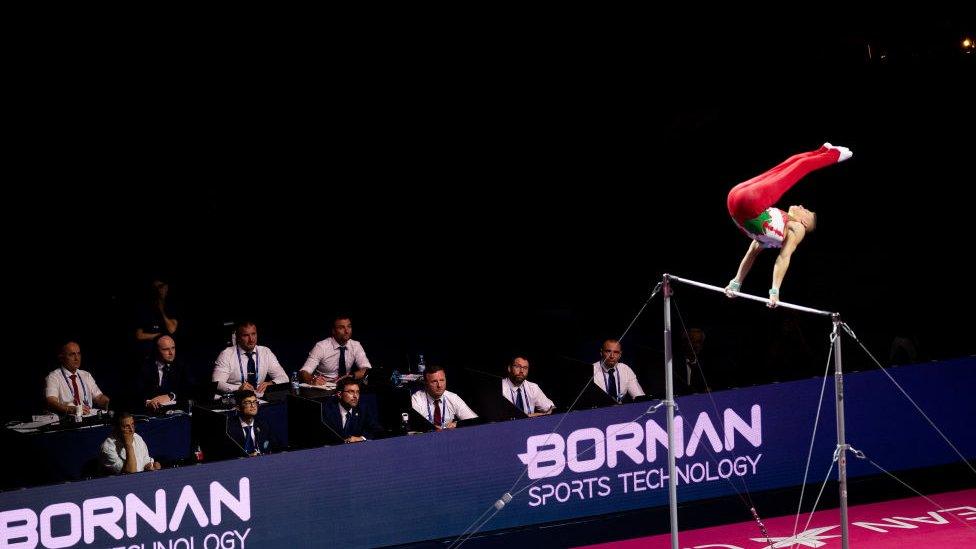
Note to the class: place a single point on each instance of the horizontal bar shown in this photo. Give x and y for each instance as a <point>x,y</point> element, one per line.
<point>748,296</point>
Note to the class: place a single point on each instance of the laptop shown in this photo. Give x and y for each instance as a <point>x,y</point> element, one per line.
<point>306,426</point>
<point>492,406</point>
<point>277,392</point>
<point>209,428</point>
<point>205,392</point>
<point>594,397</point>
<point>418,423</point>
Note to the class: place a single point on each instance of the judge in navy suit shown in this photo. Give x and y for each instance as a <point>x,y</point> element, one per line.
<point>163,378</point>
<point>252,434</point>
<point>348,420</point>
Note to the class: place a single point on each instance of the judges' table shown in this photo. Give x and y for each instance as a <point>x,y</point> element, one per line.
<point>54,454</point>
<point>434,485</point>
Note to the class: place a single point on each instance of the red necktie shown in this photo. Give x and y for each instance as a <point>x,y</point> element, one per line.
<point>437,412</point>
<point>74,381</point>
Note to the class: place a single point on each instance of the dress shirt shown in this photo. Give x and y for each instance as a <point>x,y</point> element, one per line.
<point>532,396</point>
<point>324,358</point>
<point>452,407</point>
<point>112,453</point>
<point>625,378</point>
<point>230,362</point>
<point>58,384</point>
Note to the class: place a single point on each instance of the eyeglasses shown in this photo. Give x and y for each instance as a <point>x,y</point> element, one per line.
<point>250,403</point>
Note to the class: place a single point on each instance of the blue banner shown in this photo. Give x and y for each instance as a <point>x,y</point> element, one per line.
<point>435,485</point>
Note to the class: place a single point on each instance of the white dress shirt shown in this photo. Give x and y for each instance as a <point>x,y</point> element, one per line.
<point>113,454</point>
<point>58,384</point>
<point>324,358</point>
<point>232,362</point>
<point>624,377</point>
<point>533,399</point>
<point>452,407</point>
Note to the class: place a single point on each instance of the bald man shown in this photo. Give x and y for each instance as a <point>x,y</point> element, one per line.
<point>163,378</point>
<point>69,387</point>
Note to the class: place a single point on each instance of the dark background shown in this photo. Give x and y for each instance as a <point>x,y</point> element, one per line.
<point>482,189</point>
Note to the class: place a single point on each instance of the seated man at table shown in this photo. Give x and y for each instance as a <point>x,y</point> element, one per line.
<point>163,379</point>
<point>69,387</point>
<point>344,416</point>
<point>440,406</point>
<point>252,434</point>
<point>336,357</point>
<point>525,395</point>
<point>613,376</point>
<point>124,451</point>
<point>247,365</point>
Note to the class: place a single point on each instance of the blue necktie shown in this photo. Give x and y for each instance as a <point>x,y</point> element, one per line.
<point>612,386</point>
<point>248,441</point>
<point>518,399</point>
<point>252,374</point>
<point>342,360</point>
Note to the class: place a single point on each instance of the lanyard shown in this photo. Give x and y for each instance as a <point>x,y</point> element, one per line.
<point>85,399</point>
<point>430,413</point>
<point>257,364</point>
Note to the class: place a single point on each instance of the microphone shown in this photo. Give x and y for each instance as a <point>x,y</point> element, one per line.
<point>329,427</point>
<point>234,440</point>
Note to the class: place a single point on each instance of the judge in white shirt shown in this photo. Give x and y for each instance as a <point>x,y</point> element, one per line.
<point>124,451</point>
<point>247,365</point>
<point>336,357</point>
<point>613,376</point>
<point>441,407</point>
<point>525,395</point>
<point>69,387</point>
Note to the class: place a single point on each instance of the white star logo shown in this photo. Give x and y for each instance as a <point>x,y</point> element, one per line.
<point>807,538</point>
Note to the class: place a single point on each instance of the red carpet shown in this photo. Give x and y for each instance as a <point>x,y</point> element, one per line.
<point>913,522</point>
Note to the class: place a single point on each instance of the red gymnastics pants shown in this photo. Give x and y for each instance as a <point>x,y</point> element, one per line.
<point>750,198</point>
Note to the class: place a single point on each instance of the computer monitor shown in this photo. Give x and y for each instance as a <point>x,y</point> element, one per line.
<point>210,431</point>
<point>306,427</point>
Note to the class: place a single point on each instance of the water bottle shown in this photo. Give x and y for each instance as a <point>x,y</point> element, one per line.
<point>78,412</point>
<point>295,386</point>
<point>404,424</point>
<point>420,365</point>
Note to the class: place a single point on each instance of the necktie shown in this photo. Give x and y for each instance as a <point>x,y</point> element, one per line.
<point>437,412</point>
<point>342,360</point>
<point>518,399</point>
<point>612,385</point>
<point>164,384</point>
<point>252,375</point>
<point>74,382</point>
<point>248,441</point>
